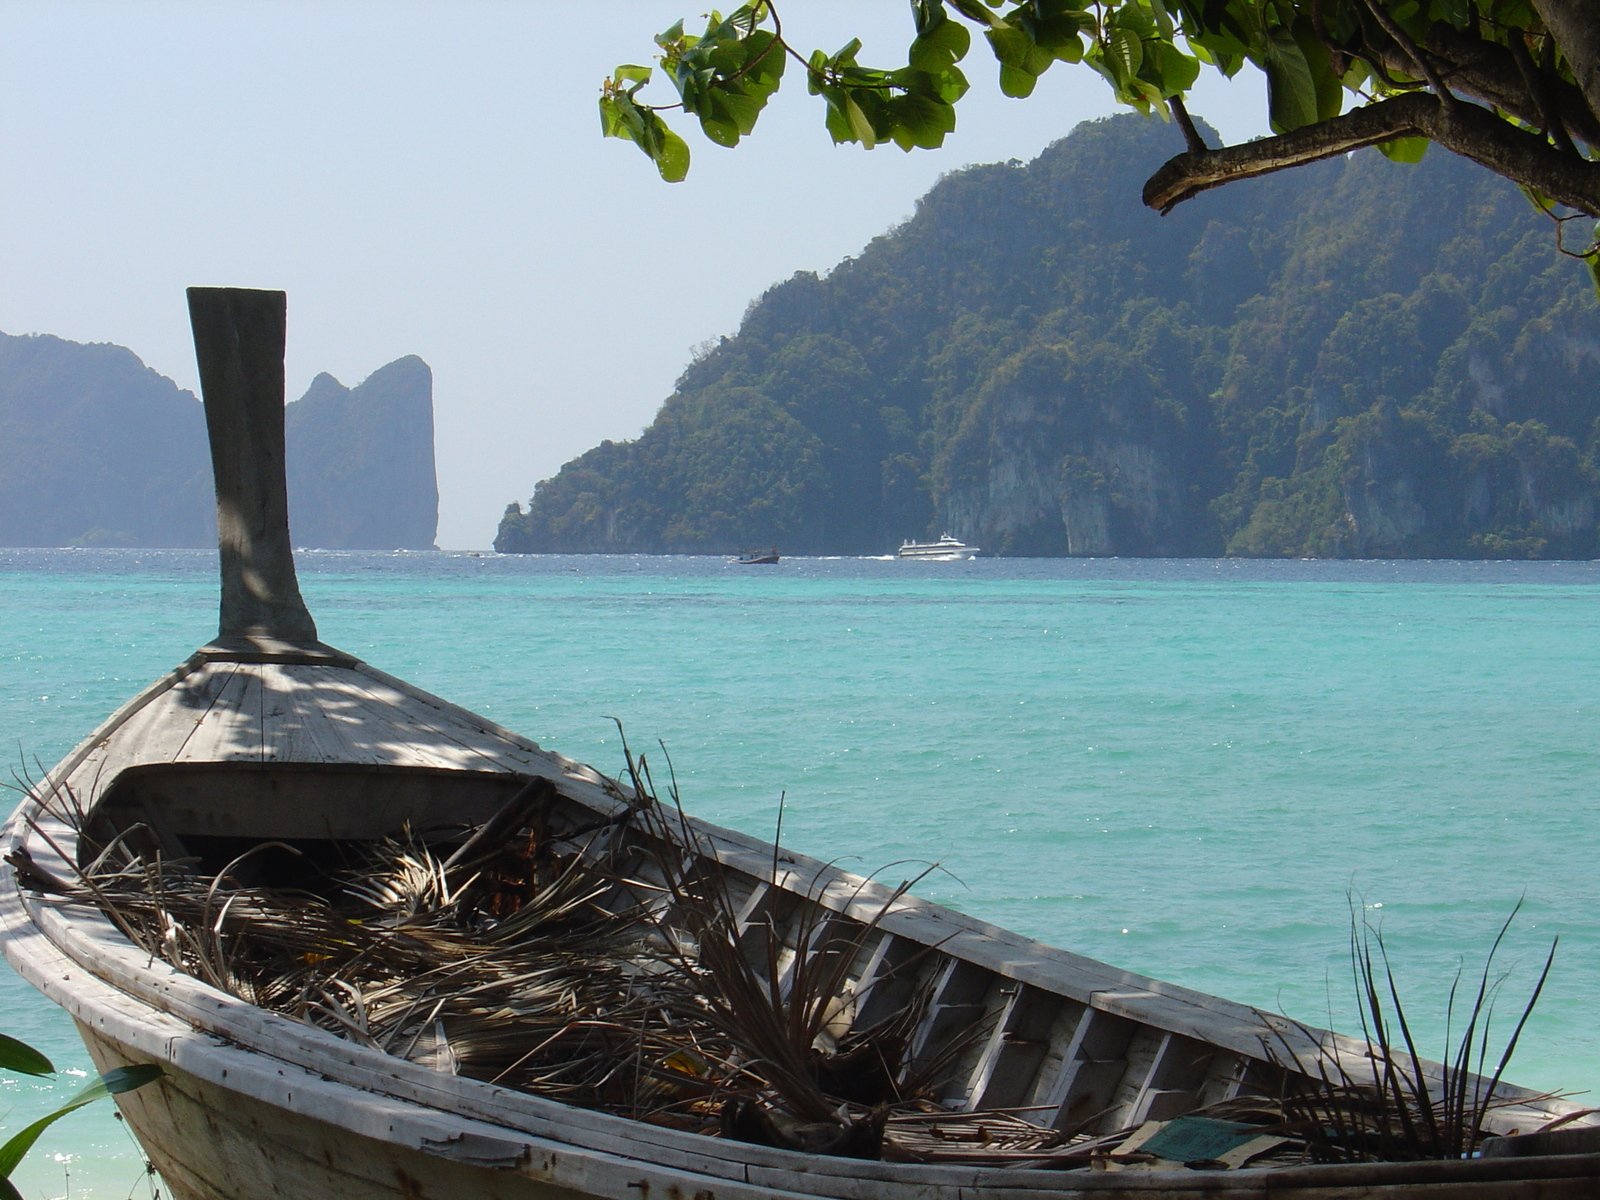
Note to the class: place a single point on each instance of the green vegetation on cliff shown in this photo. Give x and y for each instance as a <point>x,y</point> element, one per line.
<point>1355,358</point>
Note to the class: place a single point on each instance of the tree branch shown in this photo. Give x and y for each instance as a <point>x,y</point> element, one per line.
<point>1573,25</point>
<point>1550,120</point>
<point>1465,129</point>
<point>1488,71</point>
<point>1180,114</point>
<point>1419,63</point>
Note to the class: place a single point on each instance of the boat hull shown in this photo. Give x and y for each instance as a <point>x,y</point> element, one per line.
<point>936,555</point>
<point>212,1141</point>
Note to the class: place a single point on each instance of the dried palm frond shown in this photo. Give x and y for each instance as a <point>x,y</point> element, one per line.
<point>773,1006</point>
<point>606,965</point>
<point>1387,1105</point>
<point>403,880</point>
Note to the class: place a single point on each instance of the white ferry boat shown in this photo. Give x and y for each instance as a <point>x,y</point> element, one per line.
<point>946,549</point>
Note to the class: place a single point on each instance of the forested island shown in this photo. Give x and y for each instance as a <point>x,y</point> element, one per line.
<point>1353,359</point>
<point>103,451</point>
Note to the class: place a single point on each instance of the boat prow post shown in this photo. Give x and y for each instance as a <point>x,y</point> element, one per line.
<point>239,339</point>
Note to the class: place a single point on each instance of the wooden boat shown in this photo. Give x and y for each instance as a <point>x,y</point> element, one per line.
<point>1044,1075</point>
<point>757,558</point>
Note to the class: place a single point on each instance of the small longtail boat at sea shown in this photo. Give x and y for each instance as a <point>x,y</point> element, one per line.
<point>380,947</point>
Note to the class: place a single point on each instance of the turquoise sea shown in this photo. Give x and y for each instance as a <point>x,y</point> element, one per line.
<point>1194,768</point>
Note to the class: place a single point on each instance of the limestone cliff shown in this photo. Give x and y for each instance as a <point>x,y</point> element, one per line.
<point>1056,461</point>
<point>102,451</point>
<point>98,450</point>
<point>360,461</point>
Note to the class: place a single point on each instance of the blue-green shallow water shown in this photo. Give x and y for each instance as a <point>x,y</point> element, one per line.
<point>1183,767</point>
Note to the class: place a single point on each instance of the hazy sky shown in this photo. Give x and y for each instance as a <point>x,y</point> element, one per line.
<point>428,177</point>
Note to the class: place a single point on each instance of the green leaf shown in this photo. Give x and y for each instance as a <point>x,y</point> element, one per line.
<point>128,1079</point>
<point>925,14</point>
<point>1135,18</point>
<point>671,155</point>
<point>1014,48</point>
<point>860,127</point>
<point>754,63</point>
<point>1016,83</point>
<point>1056,27</point>
<point>1144,97</point>
<point>857,97</point>
<point>1169,68</point>
<point>1165,29</point>
<point>920,121</point>
<point>947,86</point>
<point>823,71</point>
<point>620,117</point>
<point>1405,149</point>
<point>1226,53</point>
<point>1325,84</point>
<point>816,72</point>
<point>1291,90</point>
<point>674,34</point>
<point>1123,55</point>
<point>944,44</point>
<point>975,10</point>
<point>121,1079</point>
<point>845,120</point>
<point>19,1056</point>
<point>632,73</point>
<point>13,1151</point>
<point>728,114</point>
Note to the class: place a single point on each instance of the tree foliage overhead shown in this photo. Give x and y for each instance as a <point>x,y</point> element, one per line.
<point>1355,359</point>
<point>1511,84</point>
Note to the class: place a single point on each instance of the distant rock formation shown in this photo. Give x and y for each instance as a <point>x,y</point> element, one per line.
<point>360,461</point>
<point>100,450</point>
